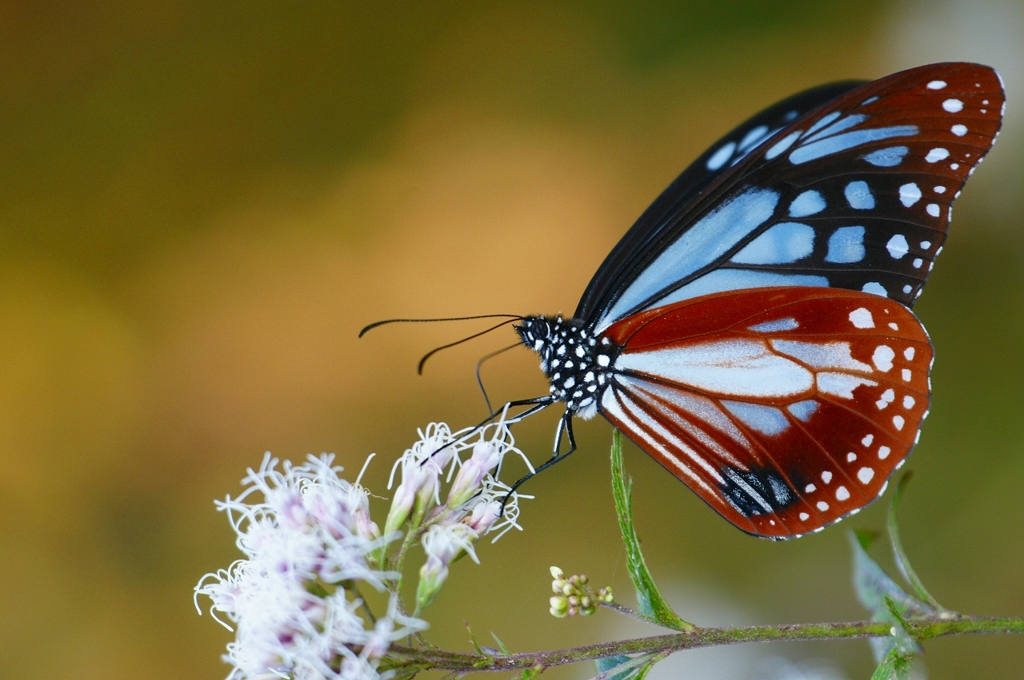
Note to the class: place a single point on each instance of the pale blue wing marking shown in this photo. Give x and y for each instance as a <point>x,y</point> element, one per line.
<point>859,195</point>
<point>837,127</point>
<point>897,246</point>
<point>803,410</point>
<point>822,122</point>
<point>846,245</point>
<point>887,158</point>
<point>767,420</point>
<point>807,203</point>
<point>781,244</point>
<point>875,288</point>
<point>702,244</point>
<point>721,156</point>
<point>737,279</point>
<point>753,136</point>
<point>848,140</point>
<point>781,145</point>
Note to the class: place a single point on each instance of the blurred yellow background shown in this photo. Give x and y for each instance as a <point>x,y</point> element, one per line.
<point>201,204</point>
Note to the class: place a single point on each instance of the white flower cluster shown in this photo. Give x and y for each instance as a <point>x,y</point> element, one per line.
<point>474,503</point>
<point>311,532</point>
<point>309,544</point>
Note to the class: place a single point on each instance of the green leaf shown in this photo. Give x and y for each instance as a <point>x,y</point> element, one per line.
<point>625,668</point>
<point>866,537</point>
<point>529,673</point>
<point>501,645</point>
<point>608,663</point>
<point>886,601</point>
<point>472,638</point>
<point>651,602</point>
<point>895,666</point>
<point>902,561</point>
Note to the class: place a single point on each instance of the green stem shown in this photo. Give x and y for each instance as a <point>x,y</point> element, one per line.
<point>921,629</point>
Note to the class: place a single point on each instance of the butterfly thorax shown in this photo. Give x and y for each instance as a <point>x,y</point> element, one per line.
<point>577,363</point>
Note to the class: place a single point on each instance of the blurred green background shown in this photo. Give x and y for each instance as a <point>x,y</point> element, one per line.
<point>201,203</point>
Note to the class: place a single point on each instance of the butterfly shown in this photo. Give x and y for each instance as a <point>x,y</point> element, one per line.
<point>752,331</point>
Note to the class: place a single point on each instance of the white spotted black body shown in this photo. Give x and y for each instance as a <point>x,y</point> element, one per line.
<point>577,363</point>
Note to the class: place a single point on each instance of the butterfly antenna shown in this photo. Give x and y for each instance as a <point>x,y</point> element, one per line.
<point>419,368</point>
<point>479,380</point>
<point>453,318</point>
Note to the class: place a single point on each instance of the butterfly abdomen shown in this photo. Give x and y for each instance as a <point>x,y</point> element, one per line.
<point>576,362</point>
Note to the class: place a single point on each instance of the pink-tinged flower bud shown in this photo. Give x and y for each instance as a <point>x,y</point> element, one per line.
<point>433,574</point>
<point>442,544</point>
<point>483,516</point>
<point>421,467</point>
<point>401,507</point>
<point>486,456</point>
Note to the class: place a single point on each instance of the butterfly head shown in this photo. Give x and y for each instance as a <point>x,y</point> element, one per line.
<point>577,363</point>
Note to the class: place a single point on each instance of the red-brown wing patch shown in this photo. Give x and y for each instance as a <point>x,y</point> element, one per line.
<point>785,409</point>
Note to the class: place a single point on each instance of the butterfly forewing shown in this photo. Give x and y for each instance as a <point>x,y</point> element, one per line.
<point>662,218</point>
<point>785,409</point>
<point>855,195</point>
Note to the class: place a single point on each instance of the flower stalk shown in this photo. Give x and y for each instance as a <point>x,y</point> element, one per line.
<point>705,637</point>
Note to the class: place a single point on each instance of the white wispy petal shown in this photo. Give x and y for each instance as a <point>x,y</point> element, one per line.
<point>310,526</point>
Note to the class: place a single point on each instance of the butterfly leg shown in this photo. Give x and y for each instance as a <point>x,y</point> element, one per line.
<point>536,405</point>
<point>565,424</point>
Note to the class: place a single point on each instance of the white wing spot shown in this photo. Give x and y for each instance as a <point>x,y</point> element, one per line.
<point>865,475</point>
<point>898,421</point>
<point>909,353</point>
<point>936,85</point>
<point>887,398</point>
<point>907,288</point>
<point>867,440</point>
<point>810,488</point>
<point>910,194</point>
<point>804,516</point>
<point>908,402</point>
<point>841,384</point>
<point>932,209</point>
<point>850,457</point>
<point>826,476</point>
<point>954,166</point>
<point>883,452</point>
<point>893,326</point>
<point>861,318</point>
<point>917,263</point>
<point>906,375</point>
<point>822,505</point>
<point>925,245</point>
<point>953,105</point>
<point>959,130</point>
<point>937,154</point>
<point>897,246</point>
<point>786,324</point>
<point>842,493</point>
<point>882,358</point>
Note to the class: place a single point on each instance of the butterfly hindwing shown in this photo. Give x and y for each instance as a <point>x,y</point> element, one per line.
<point>856,194</point>
<point>785,409</point>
